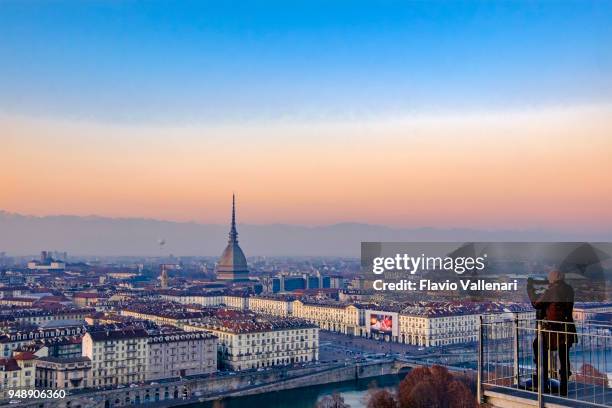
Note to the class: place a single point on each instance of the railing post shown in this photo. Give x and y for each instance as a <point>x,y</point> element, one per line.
<point>540,369</point>
<point>516,351</point>
<point>479,391</point>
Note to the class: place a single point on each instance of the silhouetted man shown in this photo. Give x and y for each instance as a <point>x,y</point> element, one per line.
<point>554,308</point>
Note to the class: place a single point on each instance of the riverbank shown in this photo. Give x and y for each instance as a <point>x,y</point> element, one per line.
<point>354,393</point>
<point>214,387</point>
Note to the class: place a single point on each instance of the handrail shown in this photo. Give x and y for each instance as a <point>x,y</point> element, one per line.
<point>507,358</point>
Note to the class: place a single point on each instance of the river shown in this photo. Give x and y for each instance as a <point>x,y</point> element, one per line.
<point>354,393</point>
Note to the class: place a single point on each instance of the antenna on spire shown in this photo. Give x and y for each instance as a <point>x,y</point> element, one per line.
<point>233,235</point>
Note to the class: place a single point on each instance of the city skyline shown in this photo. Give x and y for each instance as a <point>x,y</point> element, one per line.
<point>305,204</point>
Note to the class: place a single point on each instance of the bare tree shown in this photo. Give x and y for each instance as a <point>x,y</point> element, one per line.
<point>332,401</point>
<point>434,387</point>
<point>380,398</point>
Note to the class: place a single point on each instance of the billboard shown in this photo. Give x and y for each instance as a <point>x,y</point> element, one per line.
<point>381,323</point>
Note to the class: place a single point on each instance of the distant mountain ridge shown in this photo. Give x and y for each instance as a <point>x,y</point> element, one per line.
<point>96,235</point>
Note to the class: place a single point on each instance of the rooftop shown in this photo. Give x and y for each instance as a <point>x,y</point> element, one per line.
<point>118,334</point>
<point>65,360</point>
<point>234,321</point>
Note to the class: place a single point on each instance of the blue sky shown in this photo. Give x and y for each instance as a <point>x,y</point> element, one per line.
<point>208,62</point>
<point>447,114</point>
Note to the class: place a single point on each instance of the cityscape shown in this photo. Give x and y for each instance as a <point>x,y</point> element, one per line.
<point>176,332</point>
<point>305,204</point>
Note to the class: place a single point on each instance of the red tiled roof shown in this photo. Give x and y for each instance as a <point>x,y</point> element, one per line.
<point>18,299</point>
<point>9,364</point>
<point>52,298</point>
<point>86,295</point>
<point>25,355</point>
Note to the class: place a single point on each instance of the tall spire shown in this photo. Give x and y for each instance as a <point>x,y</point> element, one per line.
<point>232,265</point>
<point>233,235</point>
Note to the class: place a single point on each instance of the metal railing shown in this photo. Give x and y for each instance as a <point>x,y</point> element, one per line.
<point>576,367</point>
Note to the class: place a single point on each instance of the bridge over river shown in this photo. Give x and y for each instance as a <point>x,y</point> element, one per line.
<point>212,387</point>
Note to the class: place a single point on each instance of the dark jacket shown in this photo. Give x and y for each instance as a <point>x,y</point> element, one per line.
<point>555,307</point>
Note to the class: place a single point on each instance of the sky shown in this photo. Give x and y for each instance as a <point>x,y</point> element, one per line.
<point>447,114</point>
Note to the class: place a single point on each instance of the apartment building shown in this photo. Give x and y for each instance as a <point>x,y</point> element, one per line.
<point>17,372</point>
<point>118,356</point>
<point>584,311</point>
<point>13,339</point>
<point>328,315</point>
<point>441,324</point>
<point>162,314</point>
<point>186,298</point>
<point>176,353</point>
<point>88,299</point>
<point>236,302</point>
<point>248,341</point>
<point>63,373</point>
<point>276,306</point>
<point>430,328</point>
<point>40,316</point>
<point>207,300</point>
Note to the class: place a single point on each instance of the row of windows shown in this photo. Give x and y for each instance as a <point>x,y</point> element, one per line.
<point>208,362</point>
<point>274,362</point>
<point>40,335</point>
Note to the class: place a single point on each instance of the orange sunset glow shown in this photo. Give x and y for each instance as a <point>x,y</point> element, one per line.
<point>515,169</point>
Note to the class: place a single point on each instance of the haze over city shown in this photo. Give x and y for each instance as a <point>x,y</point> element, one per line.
<point>305,204</point>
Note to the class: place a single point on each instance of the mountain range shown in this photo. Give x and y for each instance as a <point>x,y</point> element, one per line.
<point>105,236</point>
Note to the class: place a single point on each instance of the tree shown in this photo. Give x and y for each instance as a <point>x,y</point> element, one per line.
<point>468,379</point>
<point>460,395</point>
<point>434,387</point>
<point>380,398</point>
<point>422,395</point>
<point>591,375</point>
<point>332,401</point>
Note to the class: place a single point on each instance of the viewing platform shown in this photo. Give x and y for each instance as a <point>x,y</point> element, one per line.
<point>508,371</point>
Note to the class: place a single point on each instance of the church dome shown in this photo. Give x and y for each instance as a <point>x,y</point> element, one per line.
<point>232,258</point>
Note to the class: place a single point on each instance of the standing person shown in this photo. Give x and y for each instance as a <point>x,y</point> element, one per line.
<point>554,308</point>
<point>540,312</point>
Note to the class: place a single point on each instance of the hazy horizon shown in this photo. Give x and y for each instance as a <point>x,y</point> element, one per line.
<point>22,235</point>
<point>304,225</point>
